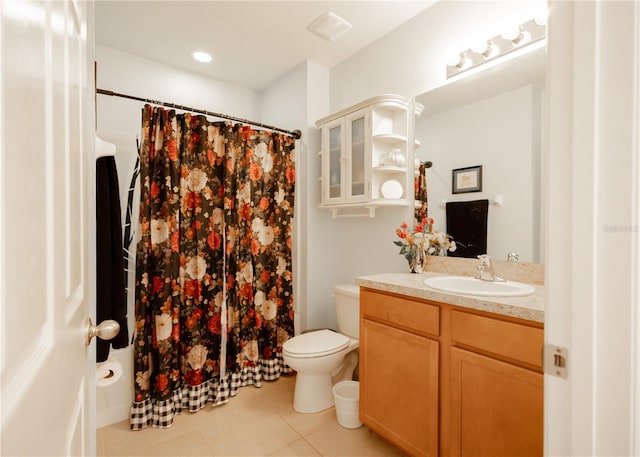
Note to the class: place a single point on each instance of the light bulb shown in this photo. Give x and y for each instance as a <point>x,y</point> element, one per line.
<point>480,47</point>
<point>202,56</point>
<point>493,50</point>
<point>455,60</point>
<point>510,34</point>
<point>488,49</point>
<point>541,20</point>
<point>515,35</point>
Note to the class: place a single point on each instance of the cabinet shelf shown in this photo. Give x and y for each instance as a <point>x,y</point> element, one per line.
<point>362,209</point>
<point>389,202</point>
<point>389,169</point>
<point>373,203</point>
<point>389,138</point>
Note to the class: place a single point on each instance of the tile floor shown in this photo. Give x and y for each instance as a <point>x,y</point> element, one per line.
<point>257,422</point>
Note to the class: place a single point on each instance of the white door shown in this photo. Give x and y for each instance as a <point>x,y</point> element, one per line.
<point>47,376</point>
<point>592,284</point>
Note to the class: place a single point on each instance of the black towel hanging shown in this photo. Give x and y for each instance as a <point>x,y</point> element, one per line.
<point>111,300</point>
<point>467,225</point>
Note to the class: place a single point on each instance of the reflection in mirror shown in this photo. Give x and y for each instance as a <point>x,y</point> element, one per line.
<point>492,119</point>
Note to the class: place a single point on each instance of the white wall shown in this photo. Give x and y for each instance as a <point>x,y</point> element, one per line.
<point>501,133</point>
<point>296,100</point>
<point>122,72</point>
<point>316,276</point>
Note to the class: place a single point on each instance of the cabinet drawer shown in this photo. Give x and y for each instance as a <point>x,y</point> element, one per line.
<point>508,339</point>
<point>404,312</point>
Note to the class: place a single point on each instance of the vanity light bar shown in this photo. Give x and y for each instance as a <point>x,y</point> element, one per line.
<point>494,48</point>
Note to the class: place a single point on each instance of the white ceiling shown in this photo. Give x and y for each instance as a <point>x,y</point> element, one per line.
<point>253,42</point>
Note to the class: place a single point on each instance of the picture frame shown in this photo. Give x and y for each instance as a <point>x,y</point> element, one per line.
<point>468,179</point>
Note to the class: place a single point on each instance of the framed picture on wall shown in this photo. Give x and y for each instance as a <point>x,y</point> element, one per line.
<point>467,179</point>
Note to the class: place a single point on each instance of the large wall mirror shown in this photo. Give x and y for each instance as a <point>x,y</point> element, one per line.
<point>493,119</point>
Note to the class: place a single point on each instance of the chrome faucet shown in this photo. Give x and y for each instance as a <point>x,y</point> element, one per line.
<point>485,270</point>
<point>513,257</point>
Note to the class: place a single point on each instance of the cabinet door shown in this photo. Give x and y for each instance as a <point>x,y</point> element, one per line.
<point>496,407</point>
<point>399,387</point>
<point>358,157</point>
<point>333,159</point>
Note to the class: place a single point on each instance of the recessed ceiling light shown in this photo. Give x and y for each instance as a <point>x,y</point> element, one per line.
<point>329,26</point>
<point>202,56</point>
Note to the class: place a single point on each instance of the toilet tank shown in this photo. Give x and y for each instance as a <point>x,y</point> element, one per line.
<point>347,297</point>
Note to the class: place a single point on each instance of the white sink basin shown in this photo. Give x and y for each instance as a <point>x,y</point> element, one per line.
<point>472,286</point>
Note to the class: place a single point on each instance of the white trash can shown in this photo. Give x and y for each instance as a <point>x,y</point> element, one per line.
<point>347,399</point>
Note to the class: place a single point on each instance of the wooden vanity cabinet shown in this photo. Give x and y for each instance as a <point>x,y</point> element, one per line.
<point>399,371</point>
<point>496,386</point>
<point>437,379</point>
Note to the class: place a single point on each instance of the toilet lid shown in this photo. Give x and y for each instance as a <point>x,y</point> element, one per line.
<point>318,343</point>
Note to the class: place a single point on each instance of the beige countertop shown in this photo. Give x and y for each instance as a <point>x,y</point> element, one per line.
<point>530,307</point>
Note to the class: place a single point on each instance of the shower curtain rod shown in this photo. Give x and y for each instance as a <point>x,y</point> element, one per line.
<point>294,133</point>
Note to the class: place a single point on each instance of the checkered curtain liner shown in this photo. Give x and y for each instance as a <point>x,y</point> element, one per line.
<point>217,392</point>
<point>268,370</point>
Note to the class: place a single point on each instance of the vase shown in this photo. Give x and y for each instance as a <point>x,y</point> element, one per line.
<point>416,258</point>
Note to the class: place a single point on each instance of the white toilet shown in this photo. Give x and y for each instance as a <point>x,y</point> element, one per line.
<point>323,357</point>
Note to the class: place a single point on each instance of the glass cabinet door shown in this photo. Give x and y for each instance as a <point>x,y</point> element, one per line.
<point>335,162</point>
<point>346,161</point>
<point>357,156</point>
<point>358,162</point>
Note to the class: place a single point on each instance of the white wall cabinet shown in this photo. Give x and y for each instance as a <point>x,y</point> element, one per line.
<point>368,155</point>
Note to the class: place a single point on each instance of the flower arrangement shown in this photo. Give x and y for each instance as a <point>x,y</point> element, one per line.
<point>422,241</point>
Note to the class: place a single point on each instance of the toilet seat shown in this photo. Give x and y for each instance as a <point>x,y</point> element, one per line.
<point>315,344</point>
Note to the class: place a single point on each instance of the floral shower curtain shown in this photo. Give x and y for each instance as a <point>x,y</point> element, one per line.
<point>214,300</point>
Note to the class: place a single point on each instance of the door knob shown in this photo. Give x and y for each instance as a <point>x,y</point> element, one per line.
<point>105,330</point>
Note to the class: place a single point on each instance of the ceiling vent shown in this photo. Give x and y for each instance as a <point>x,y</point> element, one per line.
<point>329,26</point>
